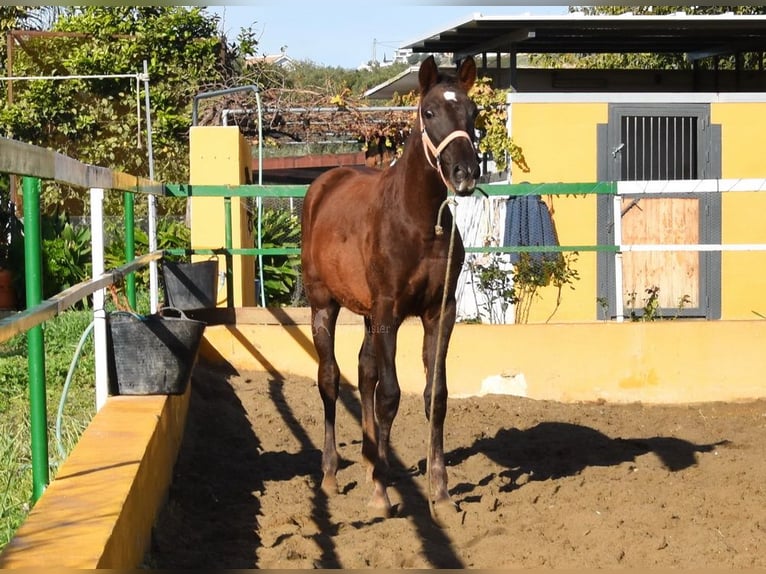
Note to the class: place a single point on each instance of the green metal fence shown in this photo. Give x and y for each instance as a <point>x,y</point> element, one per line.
<point>35,164</point>
<point>299,191</point>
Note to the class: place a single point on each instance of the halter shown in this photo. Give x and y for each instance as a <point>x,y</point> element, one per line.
<point>430,149</point>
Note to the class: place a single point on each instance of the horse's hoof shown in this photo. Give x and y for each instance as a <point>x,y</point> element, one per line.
<point>447,514</point>
<point>446,505</point>
<point>379,507</point>
<point>330,485</point>
<point>378,511</point>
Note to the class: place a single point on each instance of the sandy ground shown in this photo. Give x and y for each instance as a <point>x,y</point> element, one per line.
<point>538,484</point>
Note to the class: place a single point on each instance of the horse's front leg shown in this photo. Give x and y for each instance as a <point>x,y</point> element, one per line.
<point>434,361</point>
<point>387,395</point>
<point>367,380</point>
<point>328,379</point>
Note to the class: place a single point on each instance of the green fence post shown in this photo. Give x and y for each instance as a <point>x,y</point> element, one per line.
<point>36,345</point>
<point>130,246</point>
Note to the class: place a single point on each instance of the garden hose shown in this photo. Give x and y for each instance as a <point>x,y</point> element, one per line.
<point>67,383</point>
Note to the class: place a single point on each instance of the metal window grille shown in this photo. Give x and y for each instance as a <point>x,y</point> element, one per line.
<point>658,147</point>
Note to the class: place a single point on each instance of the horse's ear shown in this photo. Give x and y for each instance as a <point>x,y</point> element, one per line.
<point>428,74</point>
<point>466,73</point>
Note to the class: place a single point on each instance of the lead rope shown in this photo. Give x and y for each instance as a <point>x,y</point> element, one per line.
<point>439,230</point>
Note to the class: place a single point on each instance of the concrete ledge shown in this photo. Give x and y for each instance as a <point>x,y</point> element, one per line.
<point>99,510</point>
<point>652,362</point>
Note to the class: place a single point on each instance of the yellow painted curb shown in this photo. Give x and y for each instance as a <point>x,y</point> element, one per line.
<point>661,362</point>
<point>99,510</point>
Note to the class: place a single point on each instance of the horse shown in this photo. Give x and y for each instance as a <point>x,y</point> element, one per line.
<point>371,243</point>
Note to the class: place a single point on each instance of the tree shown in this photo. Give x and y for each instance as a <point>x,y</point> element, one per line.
<point>491,122</point>
<point>100,121</point>
<point>27,18</point>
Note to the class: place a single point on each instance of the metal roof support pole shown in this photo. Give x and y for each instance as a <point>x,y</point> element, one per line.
<point>514,67</point>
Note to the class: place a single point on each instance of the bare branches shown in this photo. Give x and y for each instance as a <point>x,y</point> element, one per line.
<point>312,115</point>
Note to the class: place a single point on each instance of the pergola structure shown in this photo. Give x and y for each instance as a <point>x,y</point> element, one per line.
<point>498,41</point>
<point>695,36</point>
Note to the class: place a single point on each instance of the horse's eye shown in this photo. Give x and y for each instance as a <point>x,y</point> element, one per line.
<point>429,114</point>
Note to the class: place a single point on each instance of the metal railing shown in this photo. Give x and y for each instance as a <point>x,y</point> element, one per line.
<point>35,164</point>
<point>617,190</point>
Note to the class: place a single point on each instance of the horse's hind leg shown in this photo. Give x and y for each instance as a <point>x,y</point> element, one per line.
<point>435,360</point>
<point>323,331</point>
<point>387,395</point>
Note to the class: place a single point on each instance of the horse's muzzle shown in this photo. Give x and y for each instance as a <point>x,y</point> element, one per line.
<point>464,178</point>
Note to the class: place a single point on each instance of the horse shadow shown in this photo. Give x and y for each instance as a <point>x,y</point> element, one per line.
<point>552,450</point>
<point>209,510</point>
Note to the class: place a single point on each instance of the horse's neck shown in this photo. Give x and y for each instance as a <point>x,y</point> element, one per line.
<point>422,187</point>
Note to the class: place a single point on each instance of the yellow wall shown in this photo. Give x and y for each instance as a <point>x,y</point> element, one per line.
<point>219,155</point>
<point>559,144</point>
<point>743,135</point>
<point>558,140</point>
<point>616,362</point>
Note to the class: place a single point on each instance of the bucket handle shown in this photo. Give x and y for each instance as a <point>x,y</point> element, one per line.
<point>127,312</point>
<point>161,312</point>
<point>176,309</point>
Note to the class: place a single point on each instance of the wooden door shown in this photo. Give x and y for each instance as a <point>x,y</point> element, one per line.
<point>669,220</point>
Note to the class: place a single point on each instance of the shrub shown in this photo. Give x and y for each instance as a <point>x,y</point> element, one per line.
<point>280,229</point>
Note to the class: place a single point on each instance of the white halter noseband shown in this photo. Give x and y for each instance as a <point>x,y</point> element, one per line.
<point>430,149</point>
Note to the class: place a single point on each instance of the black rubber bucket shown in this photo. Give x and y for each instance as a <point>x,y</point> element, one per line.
<point>190,285</point>
<point>153,354</point>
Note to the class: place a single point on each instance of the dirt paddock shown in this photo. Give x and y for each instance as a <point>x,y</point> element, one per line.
<point>538,484</point>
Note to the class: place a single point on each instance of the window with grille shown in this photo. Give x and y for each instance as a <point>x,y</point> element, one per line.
<point>661,142</point>
<point>658,147</point>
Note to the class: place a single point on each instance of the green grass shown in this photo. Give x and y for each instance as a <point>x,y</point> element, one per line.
<point>62,335</point>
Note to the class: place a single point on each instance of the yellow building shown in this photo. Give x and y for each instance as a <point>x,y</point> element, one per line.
<point>578,137</point>
<point>699,121</point>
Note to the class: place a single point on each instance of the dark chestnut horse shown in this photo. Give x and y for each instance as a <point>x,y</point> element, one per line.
<point>369,244</point>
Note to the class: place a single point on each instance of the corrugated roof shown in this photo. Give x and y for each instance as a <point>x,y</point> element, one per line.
<point>577,33</point>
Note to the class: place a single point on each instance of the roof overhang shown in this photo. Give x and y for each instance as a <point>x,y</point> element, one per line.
<point>402,83</point>
<point>694,35</point>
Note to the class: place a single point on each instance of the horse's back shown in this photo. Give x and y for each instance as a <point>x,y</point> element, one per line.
<point>337,184</point>
<point>334,235</point>
<point>340,195</point>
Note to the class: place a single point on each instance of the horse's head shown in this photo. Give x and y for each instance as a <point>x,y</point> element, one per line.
<point>447,115</point>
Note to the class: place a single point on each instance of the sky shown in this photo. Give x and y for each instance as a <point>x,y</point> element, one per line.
<point>345,34</point>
